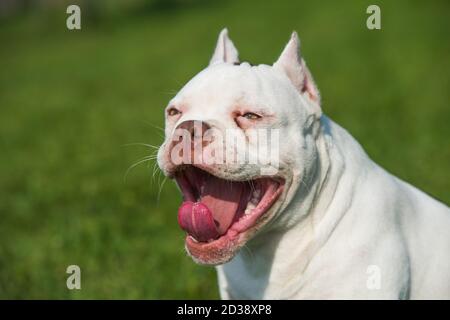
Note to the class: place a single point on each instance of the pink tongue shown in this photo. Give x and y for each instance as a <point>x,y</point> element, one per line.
<point>197,220</point>
<point>214,213</point>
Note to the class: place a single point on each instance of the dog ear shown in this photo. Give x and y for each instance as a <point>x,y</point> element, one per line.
<point>225,50</point>
<point>294,67</point>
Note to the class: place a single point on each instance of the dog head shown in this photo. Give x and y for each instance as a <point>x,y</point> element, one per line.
<point>239,139</point>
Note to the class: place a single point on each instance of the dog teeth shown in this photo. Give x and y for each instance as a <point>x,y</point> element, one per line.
<point>250,207</point>
<point>256,194</point>
<point>256,197</point>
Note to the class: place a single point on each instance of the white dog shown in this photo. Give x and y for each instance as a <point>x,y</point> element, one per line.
<point>328,224</point>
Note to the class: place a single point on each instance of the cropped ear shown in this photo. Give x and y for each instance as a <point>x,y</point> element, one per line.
<point>294,67</point>
<point>225,50</point>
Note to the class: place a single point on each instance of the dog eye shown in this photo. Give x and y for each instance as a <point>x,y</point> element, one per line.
<point>173,111</point>
<point>251,116</point>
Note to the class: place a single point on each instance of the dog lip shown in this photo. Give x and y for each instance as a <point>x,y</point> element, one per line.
<point>176,171</point>
<point>215,252</point>
<point>223,248</point>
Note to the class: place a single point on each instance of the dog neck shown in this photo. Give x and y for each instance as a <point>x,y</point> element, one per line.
<point>264,259</point>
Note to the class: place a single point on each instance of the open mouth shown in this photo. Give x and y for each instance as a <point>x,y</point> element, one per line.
<point>215,210</point>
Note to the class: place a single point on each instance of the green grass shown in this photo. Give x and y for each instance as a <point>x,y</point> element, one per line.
<point>70,101</point>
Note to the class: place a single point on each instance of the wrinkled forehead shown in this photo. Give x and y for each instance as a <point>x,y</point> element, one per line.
<point>223,85</point>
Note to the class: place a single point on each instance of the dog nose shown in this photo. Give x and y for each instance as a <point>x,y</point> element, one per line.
<point>196,130</point>
<point>191,150</point>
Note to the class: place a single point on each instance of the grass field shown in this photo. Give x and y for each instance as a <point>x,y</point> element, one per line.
<point>70,102</point>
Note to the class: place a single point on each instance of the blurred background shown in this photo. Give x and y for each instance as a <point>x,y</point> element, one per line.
<point>73,105</point>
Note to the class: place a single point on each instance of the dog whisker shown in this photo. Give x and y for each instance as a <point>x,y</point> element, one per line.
<point>160,190</point>
<point>159,129</point>
<point>155,169</point>
<point>141,144</point>
<point>140,161</point>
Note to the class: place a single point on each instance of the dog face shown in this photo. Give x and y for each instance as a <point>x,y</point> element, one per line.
<point>239,139</point>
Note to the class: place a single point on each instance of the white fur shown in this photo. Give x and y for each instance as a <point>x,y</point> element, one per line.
<point>339,213</point>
